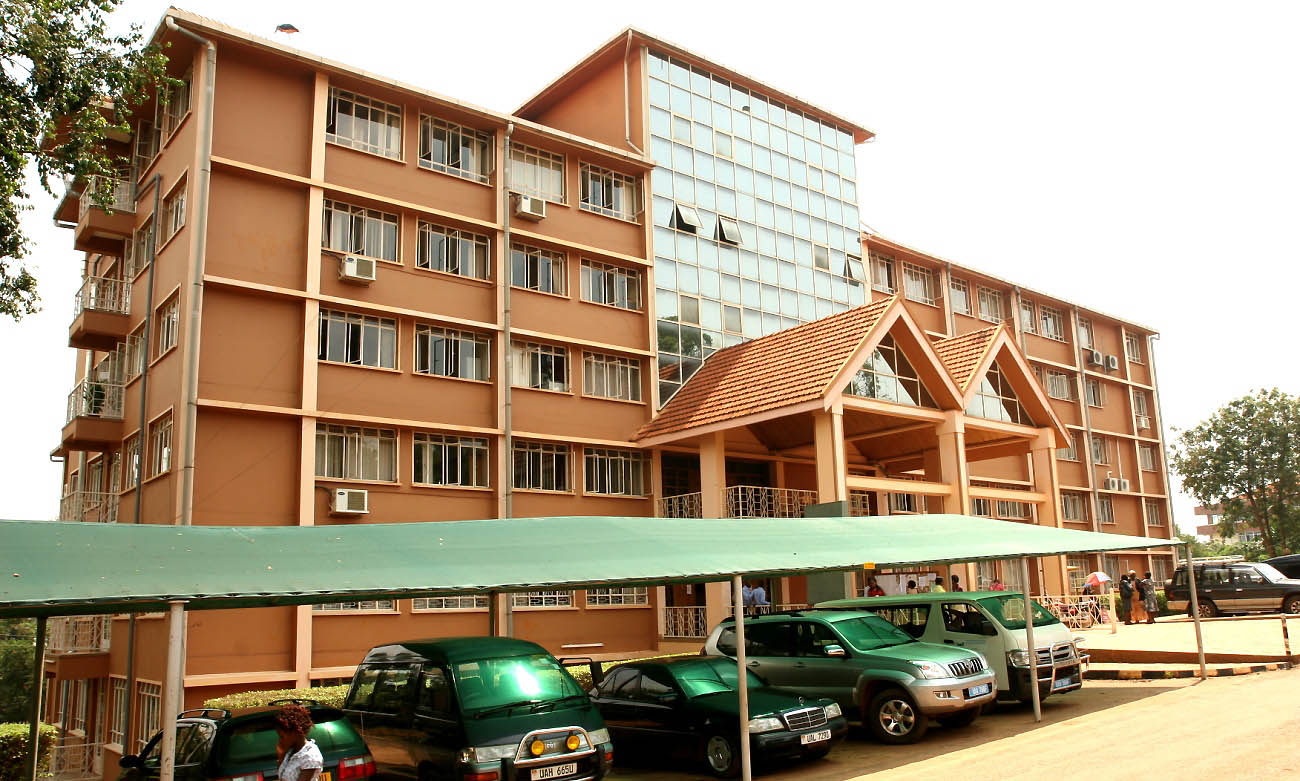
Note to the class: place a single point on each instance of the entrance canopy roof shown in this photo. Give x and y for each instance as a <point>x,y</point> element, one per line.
<point>52,568</point>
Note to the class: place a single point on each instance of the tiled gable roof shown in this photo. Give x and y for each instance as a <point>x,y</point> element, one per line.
<point>779,370</point>
<point>961,355</point>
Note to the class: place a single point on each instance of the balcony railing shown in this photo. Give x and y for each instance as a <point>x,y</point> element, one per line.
<point>76,762</point>
<point>96,399</point>
<point>682,506</point>
<point>103,294</point>
<point>89,506</point>
<point>80,634</point>
<point>753,501</point>
<point>122,195</point>
<point>687,622</point>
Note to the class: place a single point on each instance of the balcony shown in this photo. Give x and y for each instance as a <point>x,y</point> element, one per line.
<point>100,314</point>
<point>89,507</point>
<point>94,421</point>
<point>742,501</point>
<point>681,506</point>
<point>101,229</point>
<point>687,622</point>
<point>80,635</point>
<point>76,762</point>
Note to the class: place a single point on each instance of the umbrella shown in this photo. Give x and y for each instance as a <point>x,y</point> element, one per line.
<point>1096,579</point>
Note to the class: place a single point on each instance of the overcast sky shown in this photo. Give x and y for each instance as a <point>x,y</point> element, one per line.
<point>1138,158</point>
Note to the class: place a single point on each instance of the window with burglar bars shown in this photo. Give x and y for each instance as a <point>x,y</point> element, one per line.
<point>1100,450</point>
<point>537,172</point>
<point>1070,450</point>
<point>918,283</point>
<point>615,472</point>
<point>1085,333</point>
<point>439,459</point>
<point>359,340</point>
<point>444,352</point>
<point>139,251</point>
<point>169,323</point>
<point>453,251</point>
<point>1073,507</point>
<point>981,507</point>
<point>1014,510</point>
<point>117,710</point>
<point>160,445</point>
<point>1028,323</point>
<point>364,123</point>
<point>542,599</point>
<point>603,283</point>
<point>131,460</point>
<point>385,605</point>
<point>539,366</point>
<point>1053,323</point>
<point>354,453</point>
<point>356,230</point>
<point>538,269</point>
<point>630,595</point>
<point>540,466</point>
<point>148,709</point>
<point>1140,403</point>
<point>455,149</point>
<point>172,106</point>
<point>1095,392</point>
<point>1133,347</point>
<point>1152,509</point>
<point>1060,385</point>
<point>882,273</point>
<point>173,210</point>
<point>474,602</point>
<point>990,304</point>
<point>610,193</point>
<point>611,377</point>
<point>1147,457</point>
<point>1105,509</point>
<point>959,291</point>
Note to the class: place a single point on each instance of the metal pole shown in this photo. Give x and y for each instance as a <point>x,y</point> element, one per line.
<point>1110,592</point>
<point>507,365</point>
<point>1196,608</point>
<point>38,674</point>
<point>1286,638</point>
<point>1029,638</point>
<point>494,606</point>
<point>171,689</point>
<point>742,680</point>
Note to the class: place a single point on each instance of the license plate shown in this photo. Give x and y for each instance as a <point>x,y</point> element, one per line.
<point>1061,683</point>
<point>555,771</point>
<point>979,691</point>
<point>815,737</point>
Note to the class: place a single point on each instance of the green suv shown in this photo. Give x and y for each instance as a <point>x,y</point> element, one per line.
<point>867,665</point>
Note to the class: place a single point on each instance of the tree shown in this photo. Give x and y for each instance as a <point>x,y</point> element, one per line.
<point>65,84</point>
<point>1250,551</point>
<point>17,646</point>
<point>1246,457</point>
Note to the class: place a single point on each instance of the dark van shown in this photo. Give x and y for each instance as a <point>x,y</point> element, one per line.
<point>476,709</point>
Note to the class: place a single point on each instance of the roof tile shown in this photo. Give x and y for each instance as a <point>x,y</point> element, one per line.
<point>961,355</point>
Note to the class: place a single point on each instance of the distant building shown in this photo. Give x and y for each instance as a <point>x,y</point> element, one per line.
<point>1210,531</point>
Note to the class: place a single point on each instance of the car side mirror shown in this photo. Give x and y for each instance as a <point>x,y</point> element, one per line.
<point>668,699</point>
<point>834,650</point>
<point>130,761</point>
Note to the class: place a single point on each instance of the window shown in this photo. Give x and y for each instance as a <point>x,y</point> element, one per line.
<point>1053,323</point>
<point>450,603</point>
<point>903,503</point>
<point>882,273</point>
<point>145,146</point>
<point>1069,451</point>
<point>148,708</point>
<point>81,690</point>
<point>1073,507</point>
<point>1147,457</point>
<point>541,467</point>
<point>728,230</point>
<point>131,460</point>
<point>169,320</point>
<point>611,285</point>
<point>115,472</point>
<point>447,353</point>
<point>453,251</point>
<point>535,172</point>
<point>990,302</point>
<point>615,472</point>
<point>1105,510</point>
<point>116,710</point>
<point>1153,512</point>
<point>996,400</point>
<point>918,283</point>
<point>359,340</point>
<point>160,445</point>
<point>134,354</point>
<point>454,149</point>
<point>1028,322</point>
<point>1140,404</point>
<point>1060,385</point>
<point>173,209</point>
<point>610,193</point>
<point>387,605</point>
<point>364,123</point>
<point>821,257</point>
<point>632,595</point>
<point>685,218</point>
<point>611,377</point>
<point>139,251</point>
<point>959,291</point>
<point>1133,347</point>
<point>1085,334</point>
<point>538,269</point>
<point>450,460</point>
<point>540,366</point>
<point>173,104</point>
<point>1095,392</point>
<point>542,599</point>
<point>981,507</point>
<point>887,375</point>
<point>1015,510</point>
<point>357,230</point>
<point>1100,450</point>
<point>353,453</point>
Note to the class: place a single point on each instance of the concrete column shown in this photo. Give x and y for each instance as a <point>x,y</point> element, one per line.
<point>1056,579</point>
<point>951,469</point>
<point>828,444</point>
<point>713,484</point>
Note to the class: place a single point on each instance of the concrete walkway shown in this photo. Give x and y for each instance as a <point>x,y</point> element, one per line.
<point>1226,640</point>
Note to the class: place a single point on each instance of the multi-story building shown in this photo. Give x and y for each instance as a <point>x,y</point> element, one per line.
<point>367,302</point>
<point>1212,529</point>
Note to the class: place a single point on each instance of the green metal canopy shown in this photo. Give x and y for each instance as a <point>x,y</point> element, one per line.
<point>54,568</point>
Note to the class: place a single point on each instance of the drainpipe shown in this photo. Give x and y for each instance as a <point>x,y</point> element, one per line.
<point>952,313</point>
<point>627,106</point>
<point>507,368</point>
<point>1081,385</point>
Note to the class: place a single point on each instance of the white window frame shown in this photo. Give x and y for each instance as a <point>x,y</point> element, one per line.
<point>169,323</point>
<point>729,231</point>
<point>1074,507</point>
<point>482,143</point>
<point>1028,317</point>
<point>389,141</point>
<point>1053,321</point>
<point>463,253</point>
<point>160,446</point>
<point>531,361</point>
<point>1140,406</point>
<point>475,602</point>
<point>537,172</point>
<point>1152,512</point>
<point>1095,392</point>
<point>356,448</point>
<point>385,339</point>
<point>610,285</point>
<point>611,377</point>
<point>373,231</point>
<point>116,716</point>
<point>452,450</point>
<point>1133,347</point>
<point>613,472</point>
<point>454,347</point>
<point>534,600</point>
<point>148,712</point>
<point>1147,458</point>
<point>1105,510</point>
<point>359,606</point>
<point>1013,510</point>
<point>131,460</point>
<point>918,284</point>
<point>987,295</point>
<point>962,287</point>
<point>1060,385</point>
<point>1069,452</point>
<point>608,192</point>
<point>615,596</point>
<point>981,507</point>
<point>533,261</point>
<point>172,106</point>
<point>882,273</point>
<point>535,473</point>
<point>1100,448</point>
<point>173,209</point>
<point>1085,334</point>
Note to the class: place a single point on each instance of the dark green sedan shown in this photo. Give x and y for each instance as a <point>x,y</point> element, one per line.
<point>690,706</point>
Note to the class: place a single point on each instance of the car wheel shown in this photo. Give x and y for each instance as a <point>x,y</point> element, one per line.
<point>722,756</point>
<point>1292,604</point>
<point>894,718</point>
<point>1207,608</point>
<point>960,719</point>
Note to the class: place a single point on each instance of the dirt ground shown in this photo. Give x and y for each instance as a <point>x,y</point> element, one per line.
<point>1224,727</point>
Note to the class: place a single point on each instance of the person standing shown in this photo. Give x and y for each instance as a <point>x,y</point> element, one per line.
<point>911,587</point>
<point>1138,605</point>
<point>873,588</point>
<point>956,584</point>
<point>1125,600</point>
<point>1149,602</point>
<point>938,588</point>
<point>997,585</point>
<point>759,595</point>
<point>300,758</point>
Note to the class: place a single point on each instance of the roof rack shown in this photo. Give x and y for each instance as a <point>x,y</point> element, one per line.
<point>1217,559</point>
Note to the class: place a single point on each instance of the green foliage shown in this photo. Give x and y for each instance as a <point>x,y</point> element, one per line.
<point>13,750</point>
<point>1250,551</point>
<point>1246,457</point>
<point>325,695</point>
<point>17,650</point>
<point>65,84</point>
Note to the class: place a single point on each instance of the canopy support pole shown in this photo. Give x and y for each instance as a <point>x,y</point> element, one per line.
<point>494,609</point>
<point>171,690</point>
<point>38,674</point>
<point>1196,608</point>
<point>1110,594</point>
<point>1029,638</point>
<point>742,680</point>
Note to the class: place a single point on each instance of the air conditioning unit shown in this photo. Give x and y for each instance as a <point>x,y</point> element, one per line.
<point>1124,485</point>
<point>360,271</point>
<point>1144,421</point>
<point>350,501</point>
<point>1111,484</point>
<point>529,208</point>
<point>1112,363</point>
<point>1095,358</point>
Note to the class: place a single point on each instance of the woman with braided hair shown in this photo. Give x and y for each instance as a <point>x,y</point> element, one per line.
<point>300,759</point>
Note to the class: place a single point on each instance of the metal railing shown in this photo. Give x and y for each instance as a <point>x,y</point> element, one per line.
<point>80,634</point>
<point>685,621</point>
<point>1078,611</point>
<point>96,399</point>
<point>103,294</point>
<point>123,195</point>
<point>76,762</point>
<point>682,506</point>
<point>753,501</point>
<point>89,506</point>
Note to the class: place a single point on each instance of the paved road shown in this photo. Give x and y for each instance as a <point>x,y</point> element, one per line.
<point>1227,727</point>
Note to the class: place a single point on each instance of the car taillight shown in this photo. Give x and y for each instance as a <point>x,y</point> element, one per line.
<point>356,767</point>
<point>245,777</point>
<point>491,775</point>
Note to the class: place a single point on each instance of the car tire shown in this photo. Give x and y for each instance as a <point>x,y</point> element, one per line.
<point>1291,604</point>
<point>1208,608</point>
<point>722,756</point>
<point>893,717</point>
<point>960,719</point>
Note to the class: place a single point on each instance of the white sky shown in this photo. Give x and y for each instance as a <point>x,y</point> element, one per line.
<point>1137,158</point>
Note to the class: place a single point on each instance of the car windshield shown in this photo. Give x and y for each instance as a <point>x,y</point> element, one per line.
<point>493,683</point>
<point>1269,571</point>
<point>868,632</point>
<point>1009,610</point>
<point>710,677</point>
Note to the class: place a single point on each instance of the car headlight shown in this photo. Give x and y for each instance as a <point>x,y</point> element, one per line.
<point>765,724</point>
<point>487,753</point>
<point>930,669</point>
<point>833,710</point>
<point>1018,657</point>
<point>598,736</point>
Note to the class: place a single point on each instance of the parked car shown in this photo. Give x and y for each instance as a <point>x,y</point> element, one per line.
<point>872,669</point>
<point>690,707</point>
<point>476,709</point>
<point>240,745</point>
<point>1287,565</point>
<point>1234,587</point>
<point>992,623</point>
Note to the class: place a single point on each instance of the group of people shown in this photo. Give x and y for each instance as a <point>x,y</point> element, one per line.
<point>1137,599</point>
<point>874,589</point>
<point>753,596</point>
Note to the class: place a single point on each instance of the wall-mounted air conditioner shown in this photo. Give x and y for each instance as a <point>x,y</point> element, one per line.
<point>350,501</point>
<point>357,270</point>
<point>1125,485</point>
<point>1112,363</point>
<point>1110,484</point>
<point>529,207</point>
<point>1095,358</point>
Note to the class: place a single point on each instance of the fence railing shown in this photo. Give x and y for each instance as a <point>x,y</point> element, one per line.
<point>682,506</point>
<point>753,501</point>
<point>685,621</point>
<point>1078,611</point>
<point>103,294</point>
<point>89,506</point>
<point>76,762</point>
<point>80,634</point>
<point>123,196</point>
<point>96,399</point>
